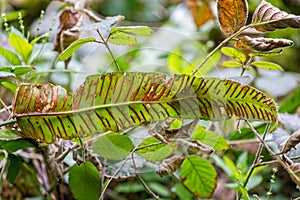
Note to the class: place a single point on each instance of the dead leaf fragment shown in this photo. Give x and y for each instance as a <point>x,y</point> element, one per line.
<point>200,10</point>
<point>291,142</point>
<point>262,44</point>
<point>266,12</point>
<point>232,15</point>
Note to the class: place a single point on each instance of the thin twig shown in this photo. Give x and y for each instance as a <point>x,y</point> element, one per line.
<point>256,160</point>
<point>109,50</point>
<point>148,190</point>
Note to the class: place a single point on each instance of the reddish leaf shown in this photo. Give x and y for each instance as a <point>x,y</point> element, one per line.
<point>232,15</point>
<point>200,10</point>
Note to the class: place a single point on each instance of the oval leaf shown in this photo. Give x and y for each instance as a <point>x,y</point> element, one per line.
<point>84,181</point>
<point>10,56</point>
<point>113,146</point>
<point>266,12</point>
<point>153,150</point>
<point>231,64</point>
<point>232,15</point>
<point>234,53</point>
<point>67,53</point>
<point>199,176</point>
<point>21,46</point>
<point>209,138</point>
<point>121,38</point>
<point>134,30</point>
<point>266,65</point>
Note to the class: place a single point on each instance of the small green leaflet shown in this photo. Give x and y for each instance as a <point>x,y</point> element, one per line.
<point>231,64</point>
<point>21,46</point>
<point>67,53</point>
<point>125,35</point>
<point>234,53</point>
<point>113,146</point>
<point>17,70</point>
<point>267,65</point>
<point>13,168</point>
<point>199,176</point>
<point>85,182</point>
<point>10,56</point>
<point>209,138</point>
<point>154,150</point>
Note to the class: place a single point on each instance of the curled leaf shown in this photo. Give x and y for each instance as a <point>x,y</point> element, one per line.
<point>232,15</point>
<point>169,165</point>
<point>200,10</point>
<point>262,44</point>
<point>69,22</point>
<point>195,146</point>
<point>277,18</point>
<point>291,142</point>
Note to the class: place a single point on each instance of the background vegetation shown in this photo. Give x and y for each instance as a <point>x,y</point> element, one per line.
<point>177,43</point>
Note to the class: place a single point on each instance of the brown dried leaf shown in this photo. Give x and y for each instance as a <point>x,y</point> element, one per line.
<point>262,44</point>
<point>290,143</point>
<point>232,15</point>
<point>169,165</point>
<point>200,10</point>
<point>266,12</point>
<point>69,23</point>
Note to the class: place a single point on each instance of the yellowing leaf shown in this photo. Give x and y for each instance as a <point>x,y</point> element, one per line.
<point>234,53</point>
<point>200,10</point>
<point>267,65</point>
<point>232,15</point>
<point>231,64</point>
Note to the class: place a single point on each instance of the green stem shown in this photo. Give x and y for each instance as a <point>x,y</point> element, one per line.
<point>109,50</point>
<point>220,46</point>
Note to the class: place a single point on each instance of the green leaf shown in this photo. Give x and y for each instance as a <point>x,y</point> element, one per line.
<point>153,150</point>
<point>292,103</point>
<point>10,56</point>
<point>266,65</point>
<point>84,181</point>
<point>231,64</point>
<point>121,38</point>
<point>234,53</point>
<point>124,35</point>
<point>7,134</point>
<point>123,100</point>
<point>21,46</point>
<point>68,52</point>
<point>135,30</point>
<point>13,168</point>
<point>266,54</point>
<point>17,70</point>
<point>14,145</point>
<point>199,176</point>
<point>176,61</point>
<point>9,85</point>
<point>113,146</point>
<point>209,138</point>
<point>6,74</point>
<point>129,188</point>
<point>182,192</point>
<point>41,37</point>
